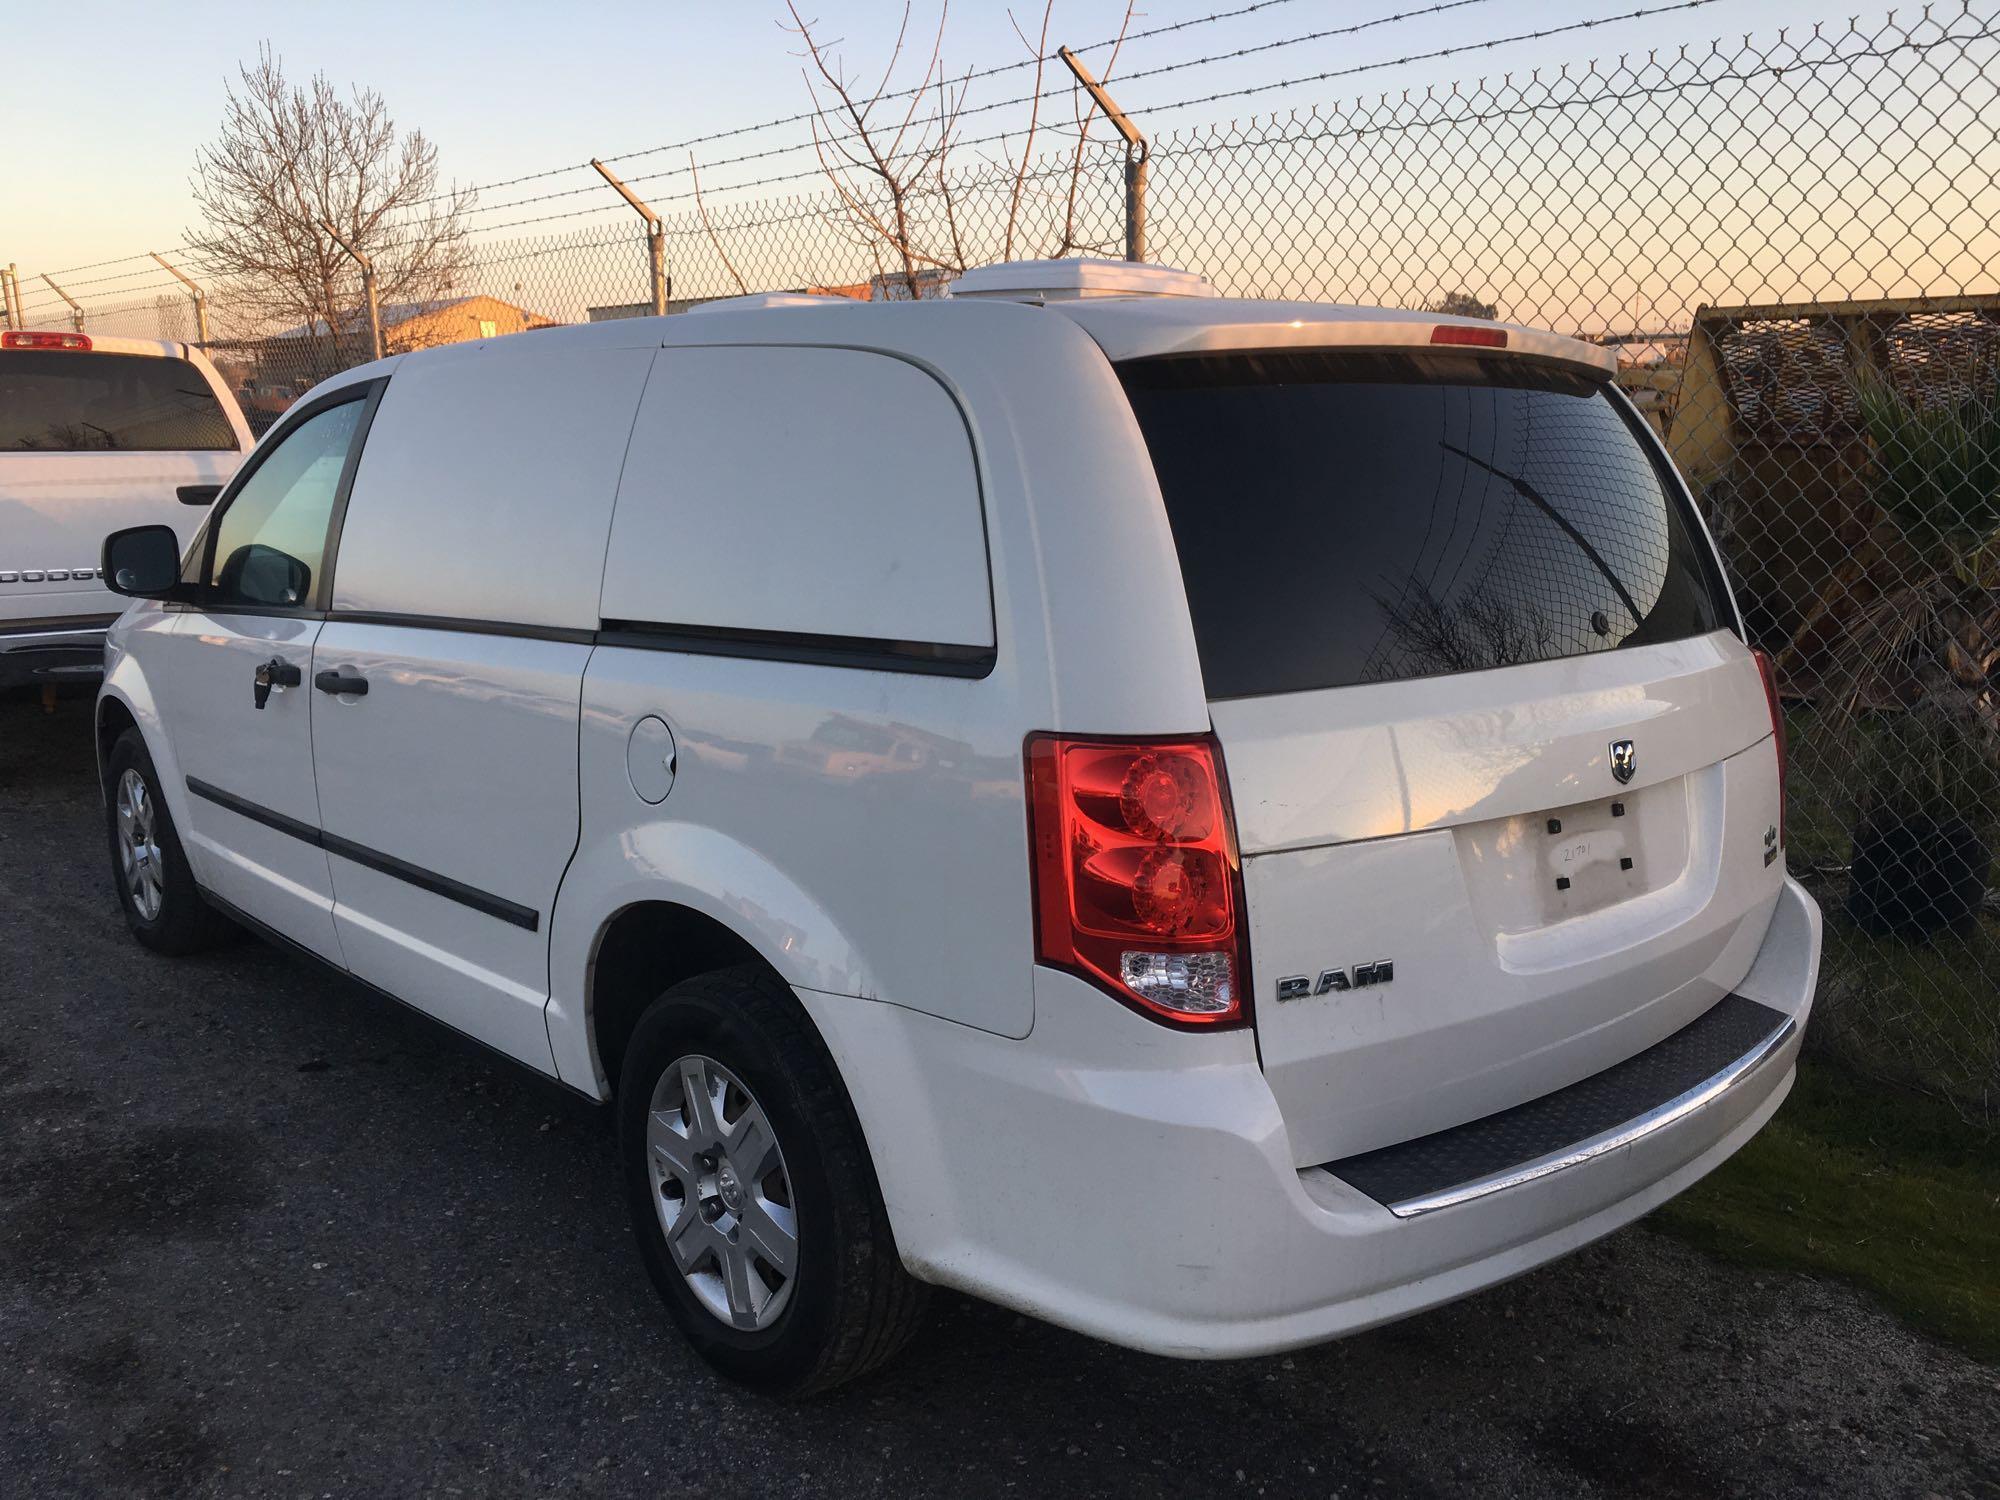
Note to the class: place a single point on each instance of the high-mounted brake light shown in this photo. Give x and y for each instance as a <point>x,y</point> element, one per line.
<point>75,341</point>
<point>1137,883</point>
<point>1768,670</point>
<point>1477,338</point>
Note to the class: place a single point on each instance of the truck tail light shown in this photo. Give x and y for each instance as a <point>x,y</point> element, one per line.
<point>1137,883</point>
<point>76,341</point>
<point>1768,670</point>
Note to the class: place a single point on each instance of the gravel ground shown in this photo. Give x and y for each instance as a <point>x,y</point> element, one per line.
<point>262,1232</point>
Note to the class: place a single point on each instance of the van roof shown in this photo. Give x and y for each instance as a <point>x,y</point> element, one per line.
<point>1124,327</point>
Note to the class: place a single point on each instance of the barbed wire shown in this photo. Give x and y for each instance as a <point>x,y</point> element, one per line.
<point>94,265</point>
<point>1456,50</point>
<point>1437,8</point>
<point>955,115</point>
<point>151,269</point>
<point>994,71</point>
<point>47,301</point>
<point>724,189</point>
<point>713,192</point>
<point>1125,80</point>
<point>717,191</point>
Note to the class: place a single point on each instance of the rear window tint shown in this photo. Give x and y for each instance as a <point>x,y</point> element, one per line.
<point>53,401</point>
<point>1371,517</point>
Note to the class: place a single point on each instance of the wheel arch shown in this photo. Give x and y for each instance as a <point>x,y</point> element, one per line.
<point>688,898</point>
<point>125,701</point>
<point>642,949</point>
<point>114,717</point>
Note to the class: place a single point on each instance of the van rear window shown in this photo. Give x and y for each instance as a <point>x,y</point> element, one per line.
<point>1363,517</point>
<point>54,401</point>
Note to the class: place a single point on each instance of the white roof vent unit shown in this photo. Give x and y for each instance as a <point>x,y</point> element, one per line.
<point>1077,278</point>
<point>767,299</point>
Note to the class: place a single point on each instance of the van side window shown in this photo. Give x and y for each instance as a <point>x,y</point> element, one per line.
<point>800,491</point>
<point>271,541</point>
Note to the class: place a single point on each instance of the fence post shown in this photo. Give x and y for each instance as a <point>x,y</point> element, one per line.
<point>13,279</point>
<point>200,301</point>
<point>367,291</point>
<point>656,237</point>
<point>7,309</point>
<point>1136,154</point>
<point>75,308</point>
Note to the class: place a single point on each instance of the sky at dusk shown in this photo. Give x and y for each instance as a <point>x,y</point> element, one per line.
<point>101,129</point>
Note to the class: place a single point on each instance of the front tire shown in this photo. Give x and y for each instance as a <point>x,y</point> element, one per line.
<point>149,868</point>
<point>752,1195</point>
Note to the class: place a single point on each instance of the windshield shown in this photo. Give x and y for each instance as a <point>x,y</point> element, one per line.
<point>1361,517</point>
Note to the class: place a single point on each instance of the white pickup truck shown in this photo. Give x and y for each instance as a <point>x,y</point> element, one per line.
<point>96,434</point>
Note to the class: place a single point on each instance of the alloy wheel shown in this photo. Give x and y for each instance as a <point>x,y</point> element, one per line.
<point>139,846</point>
<point>722,1194</point>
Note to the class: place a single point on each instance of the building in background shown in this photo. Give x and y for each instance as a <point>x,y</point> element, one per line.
<point>268,374</point>
<point>424,325</point>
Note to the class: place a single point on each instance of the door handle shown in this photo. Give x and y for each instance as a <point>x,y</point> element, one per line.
<point>355,686</point>
<point>277,672</point>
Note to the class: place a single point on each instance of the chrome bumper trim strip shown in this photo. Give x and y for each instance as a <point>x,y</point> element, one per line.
<point>1636,1129</point>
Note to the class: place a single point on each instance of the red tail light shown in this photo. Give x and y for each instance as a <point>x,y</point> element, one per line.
<point>45,341</point>
<point>1478,338</point>
<point>1138,887</point>
<point>1768,670</point>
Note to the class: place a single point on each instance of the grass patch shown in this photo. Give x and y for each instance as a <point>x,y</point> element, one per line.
<point>1920,1012</point>
<point>1880,1188</point>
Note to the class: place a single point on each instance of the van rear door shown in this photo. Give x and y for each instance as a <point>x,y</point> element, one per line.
<point>1497,756</point>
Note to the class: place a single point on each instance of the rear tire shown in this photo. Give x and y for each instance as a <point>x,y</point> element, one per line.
<point>149,869</point>
<point>739,1038</point>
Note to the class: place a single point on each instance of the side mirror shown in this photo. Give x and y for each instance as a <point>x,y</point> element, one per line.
<point>143,562</point>
<point>198,494</point>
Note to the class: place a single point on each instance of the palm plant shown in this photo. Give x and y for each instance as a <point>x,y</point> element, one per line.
<point>1938,469</point>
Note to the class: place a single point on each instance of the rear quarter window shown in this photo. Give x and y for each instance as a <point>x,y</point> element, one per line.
<point>1359,517</point>
<point>59,401</point>
<point>800,491</point>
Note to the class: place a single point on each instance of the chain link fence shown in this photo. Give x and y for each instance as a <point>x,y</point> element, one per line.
<point>1794,244</point>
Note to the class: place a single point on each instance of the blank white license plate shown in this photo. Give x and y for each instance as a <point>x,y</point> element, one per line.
<point>1592,862</point>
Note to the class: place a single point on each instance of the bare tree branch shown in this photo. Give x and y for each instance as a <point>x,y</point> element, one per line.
<point>709,229</point>
<point>1040,49</point>
<point>893,174</point>
<point>288,156</point>
<point>890,165</point>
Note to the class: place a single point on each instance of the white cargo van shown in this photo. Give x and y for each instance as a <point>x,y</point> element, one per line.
<point>95,434</point>
<point>1214,823</point>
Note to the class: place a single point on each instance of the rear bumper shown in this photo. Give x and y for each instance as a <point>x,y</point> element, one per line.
<point>1138,1184</point>
<point>1712,1056</point>
<point>53,650</point>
